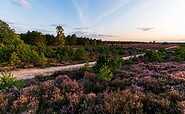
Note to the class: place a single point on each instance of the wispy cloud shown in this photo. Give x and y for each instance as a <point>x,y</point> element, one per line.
<point>81,14</point>
<point>91,35</point>
<point>79,33</point>
<point>119,4</point>
<point>55,25</point>
<point>84,17</point>
<point>146,28</point>
<point>43,30</point>
<point>22,3</point>
<point>100,35</point>
<point>82,28</point>
<point>11,22</point>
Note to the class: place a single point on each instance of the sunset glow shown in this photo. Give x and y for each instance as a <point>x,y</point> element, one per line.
<point>136,20</point>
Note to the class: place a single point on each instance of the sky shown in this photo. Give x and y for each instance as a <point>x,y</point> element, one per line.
<point>118,20</point>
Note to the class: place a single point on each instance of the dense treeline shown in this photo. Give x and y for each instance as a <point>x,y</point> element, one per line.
<point>8,36</point>
<point>139,42</point>
<point>35,37</point>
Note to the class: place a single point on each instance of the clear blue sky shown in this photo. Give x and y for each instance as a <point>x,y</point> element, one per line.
<point>138,20</point>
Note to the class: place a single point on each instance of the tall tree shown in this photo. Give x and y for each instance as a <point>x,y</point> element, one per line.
<point>5,28</point>
<point>50,39</point>
<point>8,35</point>
<point>73,39</point>
<point>60,36</point>
<point>33,38</point>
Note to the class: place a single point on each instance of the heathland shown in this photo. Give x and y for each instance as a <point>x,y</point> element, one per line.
<point>151,83</point>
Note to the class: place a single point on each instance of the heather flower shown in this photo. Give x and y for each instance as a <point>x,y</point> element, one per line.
<point>74,100</point>
<point>61,78</point>
<point>89,75</point>
<point>90,97</point>
<point>69,86</point>
<point>136,89</point>
<point>4,102</point>
<point>25,104</point>
<point>122,102</point>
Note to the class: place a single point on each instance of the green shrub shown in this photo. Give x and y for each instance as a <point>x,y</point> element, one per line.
<point>162,51</point>
<point>8,35</point>
<point>14,59</point>
<point>81,54</point>
<point>7,80</point>
<point>180,52</point>
<point>63,50</point>
<point>114,63</point>
<point>153,56</point>
<point>104,74</point>
<point>178,58</point>
<point>86,67</point>
<point>41,48</point>
<point>22,51</point>
<point>130,61</point>
<point>65,56</point>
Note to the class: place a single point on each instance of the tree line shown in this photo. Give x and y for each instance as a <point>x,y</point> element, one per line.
<point>35,37</point>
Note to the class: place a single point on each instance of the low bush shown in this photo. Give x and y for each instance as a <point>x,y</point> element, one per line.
<point>86,67</point>
<point>117,102</point>
<point>81,54</point>
<point>104,74</point>
<point>7,80</point>
<point>152,56</point>
<point>20,52</point>
<point>114,63</point>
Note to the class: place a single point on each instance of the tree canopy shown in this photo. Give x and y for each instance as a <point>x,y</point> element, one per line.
<point>8,35</point>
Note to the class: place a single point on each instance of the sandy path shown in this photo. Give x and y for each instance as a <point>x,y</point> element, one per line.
<point>32,72</point>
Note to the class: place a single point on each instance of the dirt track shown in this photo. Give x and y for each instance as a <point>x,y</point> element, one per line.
<point>32,72</point>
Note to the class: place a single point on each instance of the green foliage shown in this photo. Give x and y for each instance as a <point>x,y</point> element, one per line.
<point>86,67</point>
<point>5,28</point>
<point>10,38</point>
<point>60,38</point>
<point>23,51</point>
<point>29,55</point>
<point>104,74</point>
<point>8,35</point>
<point>180,53</point>
<point>71,40</point>
<point>152,56</point>
<point>114,63</point>
<point>14,59</point>
<point>65,56</point>
<point>162,51</point>
<point>102,49</point>
<point>64,53</point>
<point>7,80</point>
<point>33,37</point>
<point>81,54</point>
<point>102,60</point>
<point>130,61</point>
<point>41,48</point>
<point>121,52</point>
<point>165,43</point>
<point>178,58</point>
<point>50,39</point>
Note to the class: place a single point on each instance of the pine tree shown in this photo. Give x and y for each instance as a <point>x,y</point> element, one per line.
<point>14,59</point>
